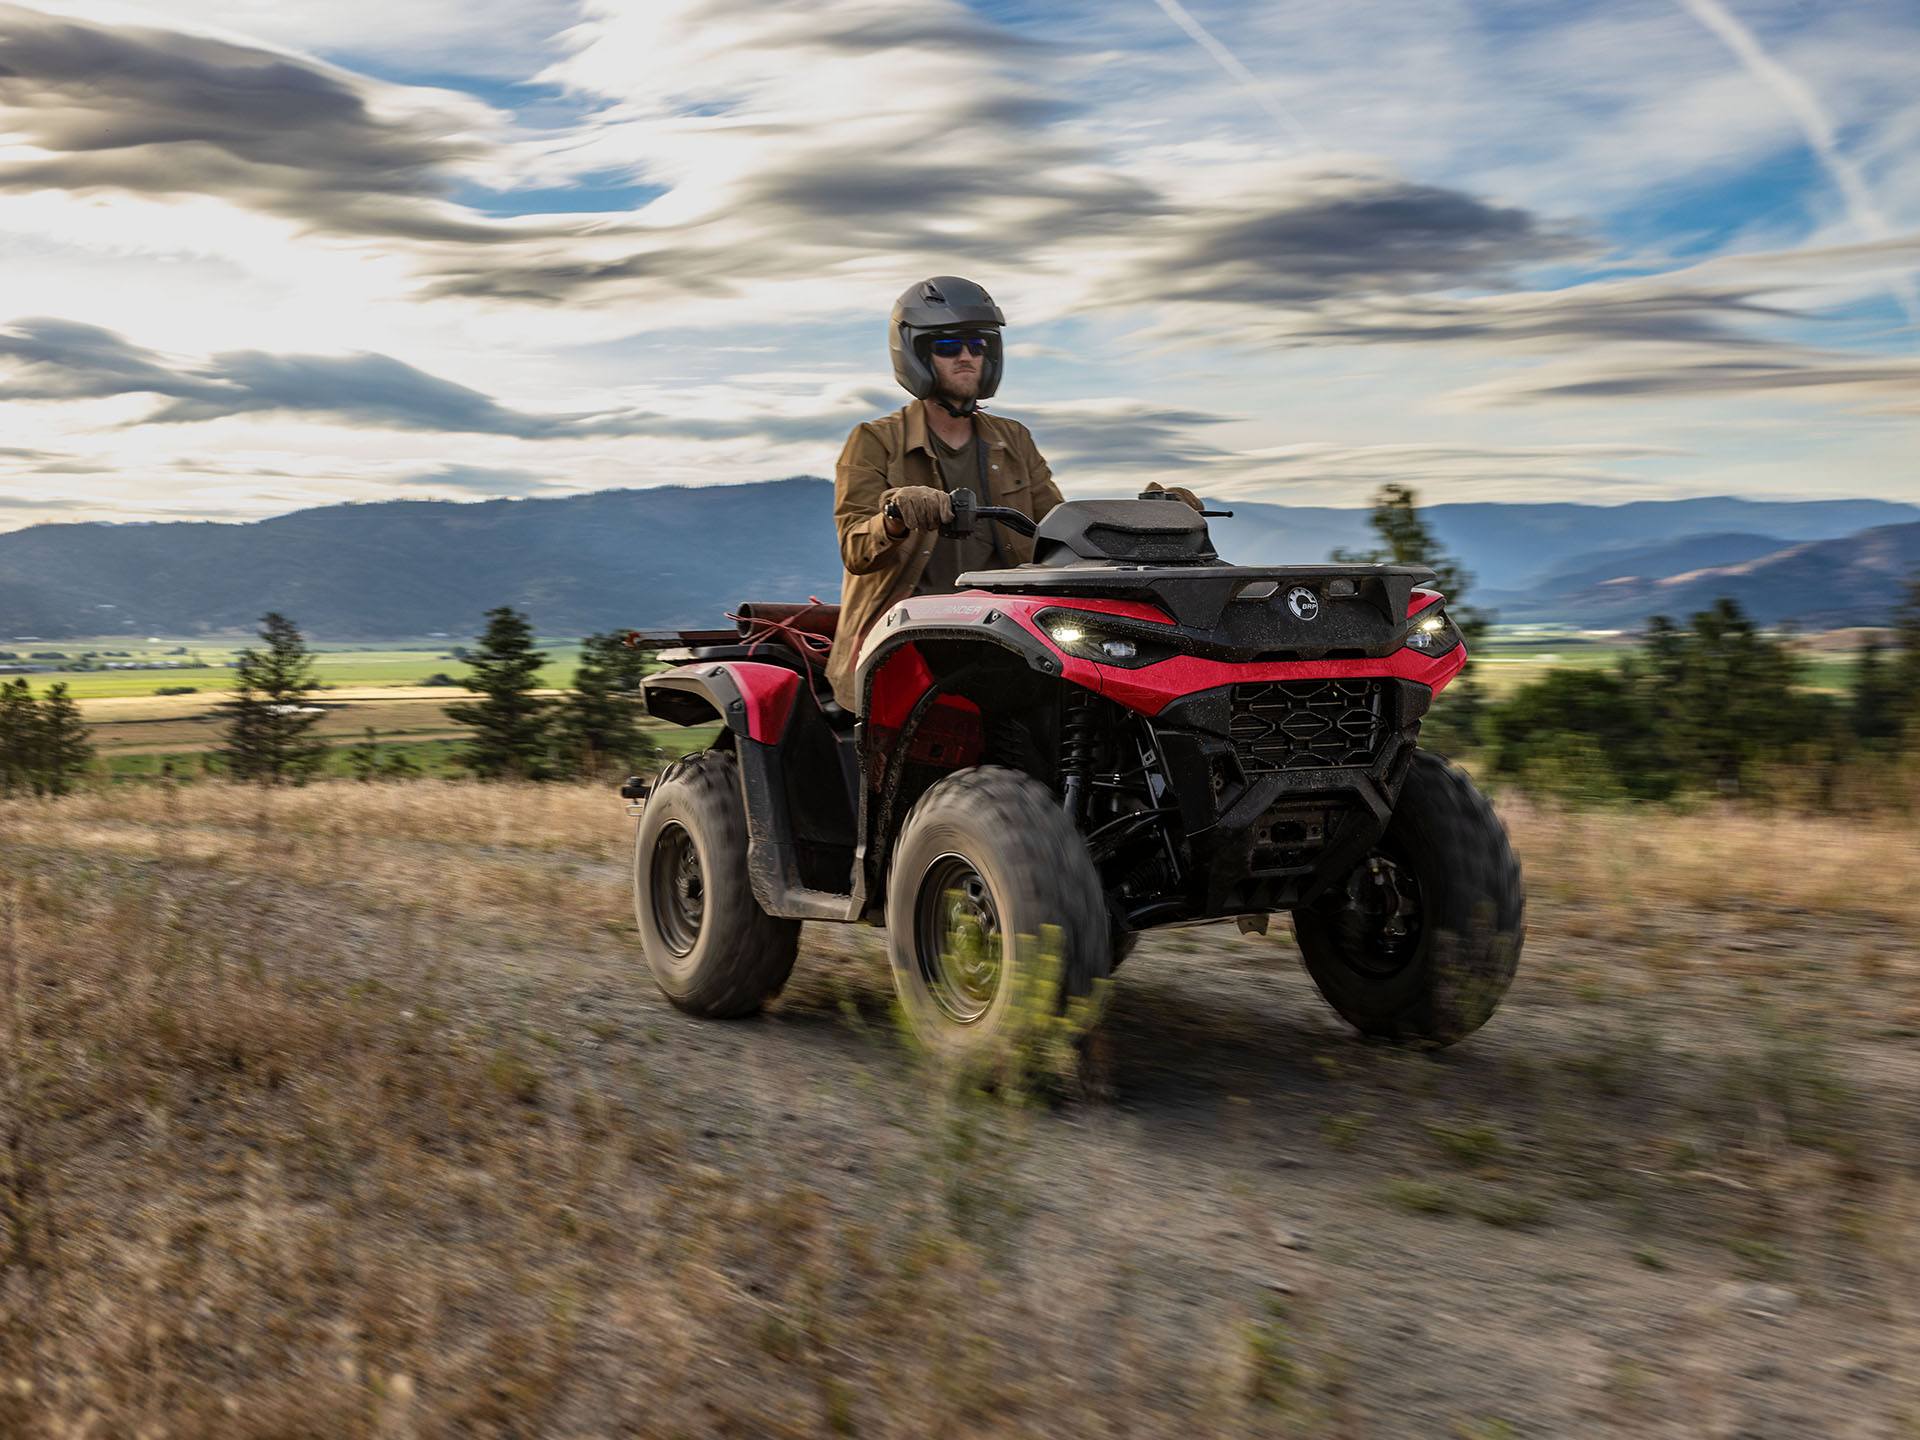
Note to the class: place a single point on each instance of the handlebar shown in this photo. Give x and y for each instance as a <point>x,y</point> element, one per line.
<point>967,515</point>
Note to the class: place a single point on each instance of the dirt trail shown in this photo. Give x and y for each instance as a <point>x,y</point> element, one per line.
<point>1672,1189</point>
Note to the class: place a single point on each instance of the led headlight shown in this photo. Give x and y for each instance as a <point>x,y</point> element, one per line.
<point>1432,632</point>
<point>1093,637</point>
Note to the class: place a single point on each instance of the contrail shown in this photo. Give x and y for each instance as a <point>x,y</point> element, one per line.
<point>1815,124</point>
<point>1230,63</point>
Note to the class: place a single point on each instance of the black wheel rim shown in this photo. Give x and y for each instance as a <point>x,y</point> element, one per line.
<point>679,888</point>
<point>1381,918</point>
<point>957,939</point>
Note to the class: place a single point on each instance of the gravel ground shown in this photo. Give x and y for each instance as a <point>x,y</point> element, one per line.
<point>326,1123</point>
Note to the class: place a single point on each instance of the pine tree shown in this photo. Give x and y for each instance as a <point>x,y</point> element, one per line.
<point>363,758</point>
<point>1876,711</point>
<point>66,751</point>
<point>20,739</point>
<point>510,724</point>
<point>268,739</point>
<point>1905,679</point>
<point>1406,540</point>
<point>599,720</point>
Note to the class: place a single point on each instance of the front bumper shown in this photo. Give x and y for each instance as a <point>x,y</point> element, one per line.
<point>1268,823</point>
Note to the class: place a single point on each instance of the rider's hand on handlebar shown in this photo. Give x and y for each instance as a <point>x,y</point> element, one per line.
<point>1178,492</point>
<point>921,507</point>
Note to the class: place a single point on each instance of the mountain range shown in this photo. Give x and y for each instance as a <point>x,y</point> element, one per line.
<point>674,555</point>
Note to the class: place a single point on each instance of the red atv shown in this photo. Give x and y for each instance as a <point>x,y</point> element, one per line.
<point>1125,733</point>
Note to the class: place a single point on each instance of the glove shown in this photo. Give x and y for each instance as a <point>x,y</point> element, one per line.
<point>921,506</point>
<point>1155,489</point>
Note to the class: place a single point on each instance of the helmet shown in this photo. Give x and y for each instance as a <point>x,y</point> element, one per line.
<point>944,305</point>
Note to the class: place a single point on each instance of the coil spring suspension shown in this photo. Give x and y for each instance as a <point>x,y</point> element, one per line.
<point>1076,753</point>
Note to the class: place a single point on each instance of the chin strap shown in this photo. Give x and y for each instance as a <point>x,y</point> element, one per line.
<point>958,412</point>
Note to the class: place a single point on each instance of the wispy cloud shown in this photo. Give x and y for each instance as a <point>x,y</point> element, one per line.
<point>1814,121</point>
<point>60,360</point>
<point>1262,94</point>
<point>191,115</point>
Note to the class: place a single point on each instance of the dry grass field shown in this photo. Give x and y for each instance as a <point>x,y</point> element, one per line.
<point>349,1111</point>
<point>176,724</point>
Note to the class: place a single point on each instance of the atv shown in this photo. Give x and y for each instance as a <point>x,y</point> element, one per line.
<point>1122,734</point>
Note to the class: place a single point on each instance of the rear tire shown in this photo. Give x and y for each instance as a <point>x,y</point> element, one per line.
<point>712,949</point>
<point>1423,941</point>
<point>987,858</point>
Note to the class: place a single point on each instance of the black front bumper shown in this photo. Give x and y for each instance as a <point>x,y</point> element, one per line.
<point>1282,788</point>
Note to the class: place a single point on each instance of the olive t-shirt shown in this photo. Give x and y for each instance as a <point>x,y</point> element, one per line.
<point>957,469</point>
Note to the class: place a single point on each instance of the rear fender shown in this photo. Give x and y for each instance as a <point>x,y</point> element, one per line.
<point>752,699</point>
<point>755,702</point>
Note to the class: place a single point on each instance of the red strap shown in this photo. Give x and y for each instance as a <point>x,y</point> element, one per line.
<point>762,630</point>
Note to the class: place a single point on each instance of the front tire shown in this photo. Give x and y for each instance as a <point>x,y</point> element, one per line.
<point>713,951</point>
<point>1423,940</point>
<point>986,862</point>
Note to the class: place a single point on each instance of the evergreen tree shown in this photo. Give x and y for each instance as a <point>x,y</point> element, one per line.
<point>20,739</point>
<point>510,724</point>
<point>267,738</point>
<point>599,720</point>
<point>1406,540</point>
<point>400,766</point>
<point>1876,703</point>
<point>1905,679</point>
<point>363,758</point>
<point>66,751</point>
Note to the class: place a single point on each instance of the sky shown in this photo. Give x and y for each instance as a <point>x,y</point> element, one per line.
<point>256,257</point>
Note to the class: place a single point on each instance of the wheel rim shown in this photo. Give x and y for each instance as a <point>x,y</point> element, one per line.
<point>957,939</point>
<point>1381,921</point>
<point>679,889</point>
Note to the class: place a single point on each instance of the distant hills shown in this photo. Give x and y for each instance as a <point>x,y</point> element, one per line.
<point>676,555</point>
<point>1820,585</point>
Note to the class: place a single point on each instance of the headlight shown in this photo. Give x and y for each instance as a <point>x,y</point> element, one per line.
<point>1094,637</point>
<point>1433,633</point>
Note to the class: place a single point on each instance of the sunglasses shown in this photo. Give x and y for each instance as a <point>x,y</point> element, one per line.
<point>948,347</point>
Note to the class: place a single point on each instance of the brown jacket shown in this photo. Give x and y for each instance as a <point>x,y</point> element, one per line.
<point>883,455</point>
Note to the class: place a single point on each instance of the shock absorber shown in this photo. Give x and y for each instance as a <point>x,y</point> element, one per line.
<point>1076,753</point>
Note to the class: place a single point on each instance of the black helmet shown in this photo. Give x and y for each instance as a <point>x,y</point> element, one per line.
<point>944,305</point>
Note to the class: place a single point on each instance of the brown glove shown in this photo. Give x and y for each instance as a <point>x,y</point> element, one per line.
<point>1178,492</point>
<point>921,507</point>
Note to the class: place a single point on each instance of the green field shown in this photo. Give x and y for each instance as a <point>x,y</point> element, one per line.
<point>1511,657</point>
<point>1506,660</point>
<point>338,665</point>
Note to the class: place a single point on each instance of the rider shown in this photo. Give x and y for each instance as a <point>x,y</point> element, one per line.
<point>895,474</point>
<point>891,486</point>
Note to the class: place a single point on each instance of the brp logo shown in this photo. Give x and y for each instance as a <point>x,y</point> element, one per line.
<point>1303,603</point>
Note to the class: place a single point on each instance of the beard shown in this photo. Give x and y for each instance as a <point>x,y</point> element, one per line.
<point>958,387</point>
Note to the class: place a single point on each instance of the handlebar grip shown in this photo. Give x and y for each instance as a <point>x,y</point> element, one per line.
<point>962,524</point>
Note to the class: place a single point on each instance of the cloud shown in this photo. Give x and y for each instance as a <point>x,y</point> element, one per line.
<point>1888,385</point>
<point>484,480</point>
<point>1815,123</point>
<point>1339,474</point>
<point>60,360</point>
<point>55,359</point>
<point>32,503</point>
<point>91,107</point>
<point>1120,435</point>
<point>1231,63</point>
<point>1324,233</point>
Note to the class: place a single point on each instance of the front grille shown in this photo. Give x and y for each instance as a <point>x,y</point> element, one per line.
<point>1308,724</point>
